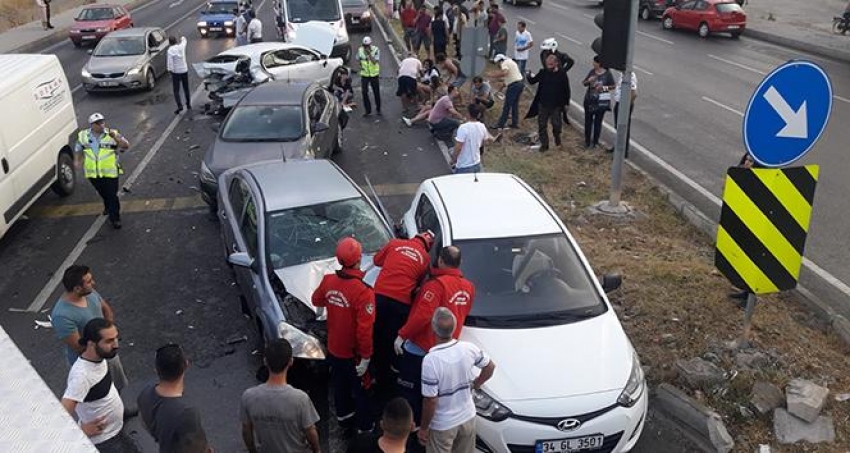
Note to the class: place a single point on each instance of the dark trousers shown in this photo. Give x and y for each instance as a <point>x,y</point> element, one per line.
<point>629,130</point>
<point>47,13</point>
<point>545,115</point>
<point>592,123</point>
<point>410,383</point>
<point>107,188</point>
<point>374,83</point>
<point>178,80</point>
<point>350,398</point>
<point>511,106</point>
<point>445,128</point>
<point>389,318</point>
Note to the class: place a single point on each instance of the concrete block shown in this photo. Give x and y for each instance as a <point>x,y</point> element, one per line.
<point>766,397</point>
<point>699,373</point>
<point>697,421</point>
<point>805,399</point>
<point>790,429</point>
<point>842,327</point>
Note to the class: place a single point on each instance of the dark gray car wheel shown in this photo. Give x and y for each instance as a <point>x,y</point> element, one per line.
<point>338,142</point>
<point>645,13</point>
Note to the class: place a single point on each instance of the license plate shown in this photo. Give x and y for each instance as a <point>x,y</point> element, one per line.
<point>216,28</point>
<point>108,84</point>
<point>355,21</point>
<point>733,27</point>
<point>88,37</point>
<point>569,445</point>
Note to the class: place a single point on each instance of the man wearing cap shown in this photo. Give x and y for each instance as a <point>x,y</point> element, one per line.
<point>369,57</point>
<point>512,79</point>
<point>404,264</point>
<point>350,305</point>
<point>95,151</point>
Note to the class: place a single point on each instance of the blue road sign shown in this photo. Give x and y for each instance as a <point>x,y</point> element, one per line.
<point>787,113</point>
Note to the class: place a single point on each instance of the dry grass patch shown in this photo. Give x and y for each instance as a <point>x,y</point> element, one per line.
<point>673,303</point>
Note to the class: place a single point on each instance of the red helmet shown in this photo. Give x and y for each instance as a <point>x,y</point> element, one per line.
<point>427,238</point>
<point>348,252</point>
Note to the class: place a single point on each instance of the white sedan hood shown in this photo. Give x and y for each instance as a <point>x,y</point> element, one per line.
<point>581,358</point>
<point>301,280</point>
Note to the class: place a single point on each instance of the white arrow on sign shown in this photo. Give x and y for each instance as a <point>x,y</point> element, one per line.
<point>796,123</point>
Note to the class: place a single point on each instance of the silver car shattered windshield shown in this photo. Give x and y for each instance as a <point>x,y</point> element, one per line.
<point>310,233</point>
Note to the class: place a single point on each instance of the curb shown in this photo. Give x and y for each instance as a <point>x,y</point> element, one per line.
<point>697,422</point>
<point>61,34</point>
<point>796,44</point>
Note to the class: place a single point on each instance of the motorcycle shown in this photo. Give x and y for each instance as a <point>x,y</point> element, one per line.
<point>840,24</point>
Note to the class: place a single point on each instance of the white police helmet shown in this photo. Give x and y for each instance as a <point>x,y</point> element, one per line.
<point>95,117</point>
<point>549,44</point>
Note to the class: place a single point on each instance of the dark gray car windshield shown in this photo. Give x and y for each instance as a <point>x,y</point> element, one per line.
<point>310,233</point>
<point>120,46</point>
<point>526,282</point>
<point>96,14</point>
<point>307,10</point>
<point>264,123</point>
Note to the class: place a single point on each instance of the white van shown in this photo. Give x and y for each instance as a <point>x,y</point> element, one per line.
<point>294,13</point>
<point>35,133</point>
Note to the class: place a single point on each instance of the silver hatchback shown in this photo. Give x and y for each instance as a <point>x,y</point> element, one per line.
<point>126,60</point>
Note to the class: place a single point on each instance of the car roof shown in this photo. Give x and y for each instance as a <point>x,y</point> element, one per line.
<point>222,1</point>
<point>133,31</point>
<point>258,48</point>
<point>489,205</point>
<point>99,6</point>
<point>279,92</point>
<point>305,182</point>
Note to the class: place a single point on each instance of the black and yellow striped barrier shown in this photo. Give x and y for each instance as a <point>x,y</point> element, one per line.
<point>763,225</point>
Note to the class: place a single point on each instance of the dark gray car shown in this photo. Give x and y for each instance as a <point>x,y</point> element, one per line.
<point>280,223</point>
<point>276,120</point>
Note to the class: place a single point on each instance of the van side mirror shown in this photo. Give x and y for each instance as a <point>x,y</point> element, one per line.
<point>611,282</point>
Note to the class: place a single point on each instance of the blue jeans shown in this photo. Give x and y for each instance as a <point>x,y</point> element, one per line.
<point>521,64</point>
<point>511,105</point>
<point>471,169</point>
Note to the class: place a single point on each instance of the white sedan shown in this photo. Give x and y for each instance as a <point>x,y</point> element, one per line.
<point>275,61</point>
<point>568,379</point>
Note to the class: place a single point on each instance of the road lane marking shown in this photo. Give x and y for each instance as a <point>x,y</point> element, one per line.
<point>589,16</point>
<point>574,41</point>
<point>651,36</point>
<point>723,106</point>
<point>177,3</point>
<point>526,20</point>
<point>560,7</point>
<point>638,68</point>
<point>81,245</point>
<point>839,98</point>
<point>736,64</point>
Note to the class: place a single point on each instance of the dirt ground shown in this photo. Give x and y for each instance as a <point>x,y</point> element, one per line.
<point>673,303</point>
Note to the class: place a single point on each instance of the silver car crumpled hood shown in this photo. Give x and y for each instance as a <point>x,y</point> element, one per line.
<point>302,280</point>
<point>112,65</point>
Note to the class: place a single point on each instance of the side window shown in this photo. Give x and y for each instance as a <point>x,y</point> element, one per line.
<point>237,197</point>
<point>152,41</point>
<point>426,216</point>
<point>701,6</point>
<point>315,106</point>
<point>688,5</point>
<point>248,225</point>
<point>302,55</point>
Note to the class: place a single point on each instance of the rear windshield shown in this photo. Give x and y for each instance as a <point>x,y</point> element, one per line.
<point>307,10</point>
<point>96,14</point>
<point>728,8</point>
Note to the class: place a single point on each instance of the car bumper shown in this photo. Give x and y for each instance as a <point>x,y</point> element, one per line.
<point>87,37</point>
<point>730,28</point>
<point>360,24</point>
<point>621,428</point>
<point>126,82</point>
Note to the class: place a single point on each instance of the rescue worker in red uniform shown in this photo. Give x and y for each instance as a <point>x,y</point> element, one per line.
<point>350,307</point>
<point>446,288</point>
<point>404,264</point>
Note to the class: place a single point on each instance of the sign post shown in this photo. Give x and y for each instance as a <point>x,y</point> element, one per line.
<point>766,212</point>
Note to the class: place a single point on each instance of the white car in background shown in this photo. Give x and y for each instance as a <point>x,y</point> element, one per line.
<point>568,378</point>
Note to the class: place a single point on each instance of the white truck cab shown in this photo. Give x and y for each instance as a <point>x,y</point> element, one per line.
<point>35,153</point>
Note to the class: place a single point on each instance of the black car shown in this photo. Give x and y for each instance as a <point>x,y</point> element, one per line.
<point>653,9</point>
<point>358,15</point>
<point>274,121</point>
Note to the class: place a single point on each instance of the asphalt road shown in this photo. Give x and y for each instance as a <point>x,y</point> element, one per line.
<point>692,93</point>
<point>164,272</point>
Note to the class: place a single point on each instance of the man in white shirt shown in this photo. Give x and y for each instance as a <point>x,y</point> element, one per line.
<point>241,28</point>
<point>512,79</point>
<point>255,28</point>
<point>522,42</point>
<point>176,62</point>
<point>448,378</point>
<point>631,108</point>
<point>90,393</point>
<point>408,72</point>
<point>469,139</point>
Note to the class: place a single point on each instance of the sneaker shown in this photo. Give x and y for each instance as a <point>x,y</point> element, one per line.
<point>544,148</point>
<point>610,150</point>
<point>379,113</point>
<point>367,114</point>
<point>496,126</point>
<point>179,109</point>
<point>116,224</point>
<point>407,121</point>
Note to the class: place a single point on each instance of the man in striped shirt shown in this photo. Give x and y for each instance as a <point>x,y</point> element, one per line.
<point>448,378</point>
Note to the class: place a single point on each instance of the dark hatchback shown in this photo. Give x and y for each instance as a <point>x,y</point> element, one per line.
<point>358,15</point>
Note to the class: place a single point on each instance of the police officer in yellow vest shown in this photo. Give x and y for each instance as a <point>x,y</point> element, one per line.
<point>369,57</point>
<point>96,152</point>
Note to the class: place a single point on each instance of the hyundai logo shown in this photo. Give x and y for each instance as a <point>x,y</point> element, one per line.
<point>569,424</point>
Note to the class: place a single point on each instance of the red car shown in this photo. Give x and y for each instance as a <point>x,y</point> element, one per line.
<point>95,21</point>
<point>706,17</point>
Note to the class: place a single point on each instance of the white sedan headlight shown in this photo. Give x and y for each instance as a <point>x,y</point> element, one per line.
<point>202,23</point>
<point>303,345</point>
<point>135,70</point>
<point>634,386</point>
<point>487,407</point>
